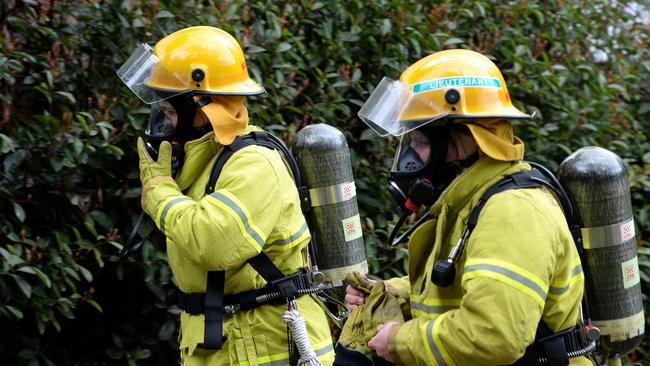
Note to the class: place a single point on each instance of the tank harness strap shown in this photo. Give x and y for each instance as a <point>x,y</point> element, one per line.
<point>194,303</point>
<point>213,299</point>
<point>552,347</point>
<point>213,333</point>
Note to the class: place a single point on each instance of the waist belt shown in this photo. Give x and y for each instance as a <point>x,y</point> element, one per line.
<point>274,293</point>
<point>555,349</point>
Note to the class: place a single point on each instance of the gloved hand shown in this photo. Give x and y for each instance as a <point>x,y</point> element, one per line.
<point>382,305</point>
<point>150,168</point>
<point>358,288</point>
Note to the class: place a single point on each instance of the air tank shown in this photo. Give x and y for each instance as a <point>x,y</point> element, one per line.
<point>598,185</point>
<point>324,159</point>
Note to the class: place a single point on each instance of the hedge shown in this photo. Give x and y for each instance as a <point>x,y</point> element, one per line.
<point>69,188</point>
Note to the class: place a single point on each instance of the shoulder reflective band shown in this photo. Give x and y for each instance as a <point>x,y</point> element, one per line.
<point>607,236</point>
<point>332,194</point>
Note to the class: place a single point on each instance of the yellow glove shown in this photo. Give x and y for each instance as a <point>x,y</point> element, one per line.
<point>150,168</point>
<point>381,305</point>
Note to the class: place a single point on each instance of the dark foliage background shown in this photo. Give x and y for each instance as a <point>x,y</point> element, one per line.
<point>68,175</point>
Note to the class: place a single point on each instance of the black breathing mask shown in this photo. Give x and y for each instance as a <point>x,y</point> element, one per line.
<point>172,120</point>
<point>420,173</point>
<point>414,182</point>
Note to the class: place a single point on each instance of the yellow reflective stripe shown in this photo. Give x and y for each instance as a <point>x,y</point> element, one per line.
<point>292,239</point>
<point>280,359</point>
<point>430,307</point>
<point>510,274</point>
<point>435,350</point>
<point>165,209</point>
<point>555,292</point>
<point>241,215</point>
<point>576,270</point>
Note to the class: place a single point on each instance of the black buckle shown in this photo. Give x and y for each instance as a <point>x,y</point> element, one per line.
<point>305,199</point>
<point>288,286</point>
<point>556,347</point>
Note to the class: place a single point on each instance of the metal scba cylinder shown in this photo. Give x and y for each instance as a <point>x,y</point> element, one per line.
<point>326,170</point>
<point>597,182</point>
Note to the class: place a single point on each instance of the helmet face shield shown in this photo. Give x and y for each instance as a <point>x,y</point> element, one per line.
<point>388,110</point>
<point>138,70</point>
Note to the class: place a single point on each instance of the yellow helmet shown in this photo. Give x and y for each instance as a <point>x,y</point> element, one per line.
<point>454,84</point>
<point>207,60</point>
<point>458,83</point>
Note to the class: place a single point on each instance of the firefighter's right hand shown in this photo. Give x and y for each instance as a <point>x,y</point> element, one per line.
<point>150,168</point>
<point>358,288</point>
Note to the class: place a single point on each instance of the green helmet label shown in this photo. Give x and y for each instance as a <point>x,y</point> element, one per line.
<point>456,81</point>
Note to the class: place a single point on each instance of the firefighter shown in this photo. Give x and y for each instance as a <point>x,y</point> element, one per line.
<point>220,222</point>
<point>490,297</point>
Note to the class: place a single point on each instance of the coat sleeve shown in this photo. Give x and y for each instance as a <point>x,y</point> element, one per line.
<point>401,285</point>
<point>510,260</point>
<point>225,228</point>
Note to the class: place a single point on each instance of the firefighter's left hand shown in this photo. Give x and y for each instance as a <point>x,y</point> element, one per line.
<point>379,343</point>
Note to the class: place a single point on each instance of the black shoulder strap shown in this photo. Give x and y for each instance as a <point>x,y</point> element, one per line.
<point>254,138</point>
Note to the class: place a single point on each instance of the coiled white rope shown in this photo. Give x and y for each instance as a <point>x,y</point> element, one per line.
<point>299,332</point>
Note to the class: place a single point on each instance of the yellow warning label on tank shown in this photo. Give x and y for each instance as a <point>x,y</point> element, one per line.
<point>622,329</point>
<point>630,270</point>
<point>352,227</point>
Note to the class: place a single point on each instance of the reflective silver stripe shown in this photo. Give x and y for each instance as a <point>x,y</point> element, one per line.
<point>332,194</point>
<point>241,215</point>
<point>168,206</point>
<point>608,236</point>
<point>432,344</point>
<point>291,238</point>
<point>511,275</point>
<point>560,290</point>
<point>285,361</point>
<point>576,270</point>
<point>432,309</point>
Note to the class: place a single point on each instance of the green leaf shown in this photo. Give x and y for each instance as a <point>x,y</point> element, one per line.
<point>164,14</point>
<point>102,219</point>
<point>114,353</point>
<point>166,332</point>
<point>19,212</point>
<point>67,96</point>
<point>94,304</point>
<point>453,42</point>
<point>24,286</point>
<point>7,144</point>
<point>85,273</point>
<point>252,49</point>
<point>72,273</point>
<point>283,47</point>
<point>142,354</point>
<point>15,311</point>
<point>37,272</point>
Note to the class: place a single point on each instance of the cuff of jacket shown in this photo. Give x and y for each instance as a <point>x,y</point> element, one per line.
<point>398,340</point>
<point>401,285</point>
<point>392,344</point>
<point>155,190</point>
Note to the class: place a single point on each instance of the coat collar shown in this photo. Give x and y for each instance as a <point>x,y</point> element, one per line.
<point>482,174</point>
